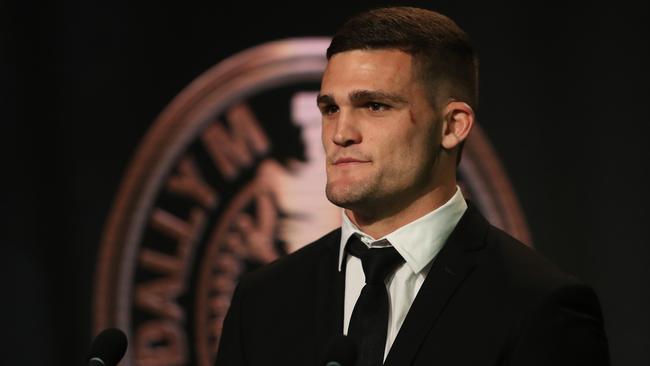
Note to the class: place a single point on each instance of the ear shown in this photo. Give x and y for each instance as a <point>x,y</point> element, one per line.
<point>457,122</point>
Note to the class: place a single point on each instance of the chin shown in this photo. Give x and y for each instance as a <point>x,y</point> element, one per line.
<point>348,195</point>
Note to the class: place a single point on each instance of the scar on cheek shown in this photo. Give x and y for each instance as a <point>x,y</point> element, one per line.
<point>412,116</point>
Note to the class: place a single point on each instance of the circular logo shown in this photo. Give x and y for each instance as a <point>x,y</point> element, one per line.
<point>230,177</point>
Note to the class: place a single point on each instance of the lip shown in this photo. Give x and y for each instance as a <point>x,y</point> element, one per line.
<point>345,161</point>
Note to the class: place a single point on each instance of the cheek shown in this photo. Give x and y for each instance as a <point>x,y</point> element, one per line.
<point>398,153</point>
<point>325,130</point>
<point>410,153</point>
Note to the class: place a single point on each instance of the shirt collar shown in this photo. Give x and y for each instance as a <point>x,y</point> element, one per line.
<point>419,241</point>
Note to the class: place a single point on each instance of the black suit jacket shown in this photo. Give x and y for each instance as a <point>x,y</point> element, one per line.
<point>487,300</point>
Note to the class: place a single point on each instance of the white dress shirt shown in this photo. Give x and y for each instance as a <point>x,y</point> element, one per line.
<point>418,242</point>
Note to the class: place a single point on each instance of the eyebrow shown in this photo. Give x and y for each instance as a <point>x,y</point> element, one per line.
<point>325,99</point>
<point>366,95</point>
<point>357,96</point>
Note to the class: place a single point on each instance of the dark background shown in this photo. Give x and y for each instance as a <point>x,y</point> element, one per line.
<point>564,99</point>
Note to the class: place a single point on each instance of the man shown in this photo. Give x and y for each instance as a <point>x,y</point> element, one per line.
<point>415,275</point>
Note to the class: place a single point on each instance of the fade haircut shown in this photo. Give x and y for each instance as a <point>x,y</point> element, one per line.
<point>443,57</point>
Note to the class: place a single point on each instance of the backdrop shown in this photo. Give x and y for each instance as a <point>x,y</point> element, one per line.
<point>564,92</point>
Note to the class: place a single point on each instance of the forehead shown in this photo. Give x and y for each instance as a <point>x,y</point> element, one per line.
<point>367,69</point>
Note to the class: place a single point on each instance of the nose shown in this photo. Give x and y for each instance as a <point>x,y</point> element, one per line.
<point>346,131</point>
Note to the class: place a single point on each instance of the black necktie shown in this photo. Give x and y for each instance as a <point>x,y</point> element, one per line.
<point>369,321</point>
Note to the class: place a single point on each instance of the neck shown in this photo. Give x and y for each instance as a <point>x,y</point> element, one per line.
<point>378,226</point>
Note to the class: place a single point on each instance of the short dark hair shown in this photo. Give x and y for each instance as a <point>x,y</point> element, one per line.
<point>442,52</point>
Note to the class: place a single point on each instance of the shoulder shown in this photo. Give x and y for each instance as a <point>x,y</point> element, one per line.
<point>559,319</point>
<point>503,262</point>
<point>522,265</point>
<point>528,282</point>
<point>298,267</point>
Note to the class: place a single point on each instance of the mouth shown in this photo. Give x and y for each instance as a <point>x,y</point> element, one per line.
<point>349,161</point>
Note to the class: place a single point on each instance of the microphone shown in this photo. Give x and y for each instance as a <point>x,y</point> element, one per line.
<point>341,352</point>
<point>107,348</point>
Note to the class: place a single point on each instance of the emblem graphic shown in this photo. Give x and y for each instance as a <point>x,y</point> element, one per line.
<point>230,177</point>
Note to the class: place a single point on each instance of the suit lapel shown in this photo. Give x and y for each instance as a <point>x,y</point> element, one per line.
<point>452,265</point>
<point>330,297</point>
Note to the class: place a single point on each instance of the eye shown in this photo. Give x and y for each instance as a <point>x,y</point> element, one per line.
<point>330,109</point>
<point>377,107</point>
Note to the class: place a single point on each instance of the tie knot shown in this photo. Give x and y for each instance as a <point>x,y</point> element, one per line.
<point>377,262</point>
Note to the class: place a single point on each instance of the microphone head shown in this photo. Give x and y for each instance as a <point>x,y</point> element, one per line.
<point>342,351</point>
<point>109,346</point>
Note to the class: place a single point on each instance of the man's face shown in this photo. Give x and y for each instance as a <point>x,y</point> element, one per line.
<point>380,133</point>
